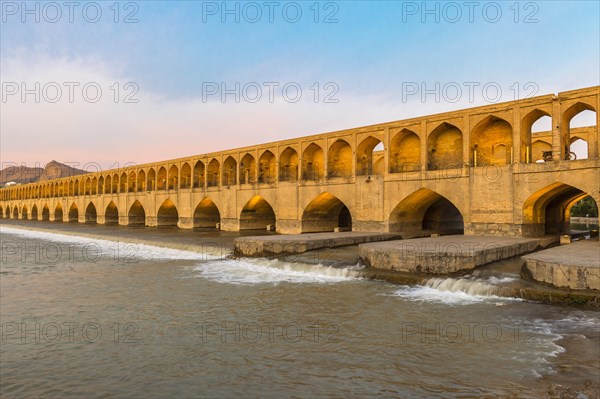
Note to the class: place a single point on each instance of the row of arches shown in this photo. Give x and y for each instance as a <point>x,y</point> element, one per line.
<point>423,212</point>
<point>491,143</point>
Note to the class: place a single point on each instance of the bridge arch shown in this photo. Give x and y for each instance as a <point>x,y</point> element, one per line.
<point>313,163</point>
<point>91,216</point>
<point>186,176</point>
<point>267,167</point>
<point>547,211</point>
<point>529,151</point>
<point>173,178</point>
<point>58,213</point>
<point>46,213</point>
<point>339,159</point>
<point>425,212</point>
<point>370,157</point>
<point>141,181</point>
<point>167,214</point>
<point>492,142</point>
<point>34,212</point>
<point>248,169</point>
<point>101,185</point>
<point>161,183</point>
<point>229,171</point>
<point>73,215</point>
<point>325,213</point>
<point>405,152</point>
<point>123,183</point>
<point>206,214</point>
<point>24,212</point>
<point>288,165</point>
<point>111,214</point>
<point>257,214</point>
<point>1,212</point>
<point>199,171</point>
<point>151,180</point>
<point>445,147</point>
<point>131,182</point>
<point>15,212</point>
<point>136,215</point>
<point>214,173</point>
<point>572,117</point>
<point>115,184</point>
<point>94,187</point>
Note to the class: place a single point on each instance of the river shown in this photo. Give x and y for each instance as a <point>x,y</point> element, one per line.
<point>86,317</point>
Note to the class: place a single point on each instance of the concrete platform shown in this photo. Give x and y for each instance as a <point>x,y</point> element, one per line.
<point>300,243</point>
<point>575,266</point>
<point>443,255</point>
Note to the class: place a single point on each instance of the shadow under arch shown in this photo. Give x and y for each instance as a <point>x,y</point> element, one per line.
<point>257,214</point>
<point>426,212</point>
<point>58,213</point>
<point>91,216</point>
<point>136,215</point>
<point>206,214</point>
<point>547,211</point>
<point>73,213</point>
<point>111,216</point>
<point>325,213</point>
<point>167,214</point>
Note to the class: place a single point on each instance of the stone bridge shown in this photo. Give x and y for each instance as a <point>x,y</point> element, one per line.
<point>476,171</point>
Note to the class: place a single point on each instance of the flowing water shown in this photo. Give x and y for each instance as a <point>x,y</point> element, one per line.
<point>84,317</point>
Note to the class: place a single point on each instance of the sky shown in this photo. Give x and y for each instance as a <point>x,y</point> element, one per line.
<point>110,84</point>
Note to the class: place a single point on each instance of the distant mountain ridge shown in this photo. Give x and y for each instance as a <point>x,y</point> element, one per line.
<point>25,174</point>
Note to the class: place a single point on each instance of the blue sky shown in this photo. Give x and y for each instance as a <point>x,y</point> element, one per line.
<point>371,52</point>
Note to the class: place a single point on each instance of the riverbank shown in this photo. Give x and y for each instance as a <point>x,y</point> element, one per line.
<point>219,244</point>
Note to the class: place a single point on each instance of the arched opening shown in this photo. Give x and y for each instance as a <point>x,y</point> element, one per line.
<point>58,213</point>
<point>173,178</point>
<point>206,214</point>
<point>15,214</point>
<point>339,161</point>
<point>34,212</point>
<point>141,181</point>
<point>313,164</point>
<point>132,180</point>
<point>491,142</point>
<point>288,165</point>
<point>405,152</point>
<point>94,187</point>
<point>579,126</point>
<point>267,167</point>
<point>136,215</point>
<point>230,172</point>
<point>536,127</point>
<point>90,214</point>
<point>257,214</point>
<point>101,185</point>
<point>369,157</point>
<point>426,212</point>
<point>167,214</point>
<point>199,174</point>
<point>161,183</point>
<point>1,211</point>
<point>75,186</point>
<point>326,213</point>
<point>213,173</point>
<point>548,211</point>
<point>186,176</point>
<point>111,215</point>
<point>46,213</point>
<point>248,170</point>
<point>107,184</point>
<point>445,148</point>
<point>115,184</point>
<point>88,187</point>
<point>73,213</point>
<point>123,183</point>
<point>151,180</point>
<point>24,212</point>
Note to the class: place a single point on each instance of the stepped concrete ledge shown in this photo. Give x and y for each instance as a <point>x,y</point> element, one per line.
<point>575,266</point>
<point>262,246</point>
<point>443,255</point>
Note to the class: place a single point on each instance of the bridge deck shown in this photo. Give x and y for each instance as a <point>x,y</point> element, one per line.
<point>575,266</point>
<point>300,243</point>
<point>443,255</point>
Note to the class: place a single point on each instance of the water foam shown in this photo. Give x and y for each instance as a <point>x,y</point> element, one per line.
<point>109,248</point>
<point>458,291</point>
<point>244,271</point>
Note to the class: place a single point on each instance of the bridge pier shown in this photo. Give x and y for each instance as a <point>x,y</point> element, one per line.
<point>151,221</point>
<point>230,224</point>
<point>101,219</point>
<point>289,226</point>
<point>185,223</point>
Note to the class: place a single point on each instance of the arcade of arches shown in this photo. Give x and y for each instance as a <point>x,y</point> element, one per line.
<point>514,168</point>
